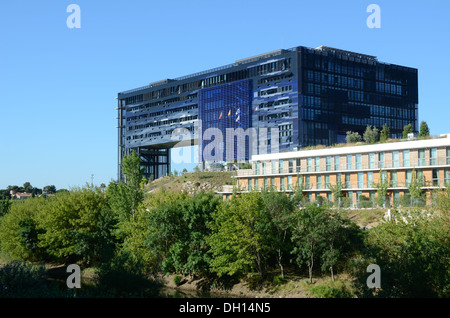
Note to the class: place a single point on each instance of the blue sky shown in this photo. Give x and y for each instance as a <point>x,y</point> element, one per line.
<point>57,85</point>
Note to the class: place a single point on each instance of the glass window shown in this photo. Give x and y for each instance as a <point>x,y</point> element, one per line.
<point>358,161</point>
<point>337,163</point>
<point>347,180</point>
<point>328,168</point>
<point>405,158</point>
<point>280,166</point>
<point>272,183</point>
<point>263,168</point>
<point>435,177</point>
<point>447,176</point>
<point>433,156</point>
<point>249,181</point>
<point>274,166</point>
<point>421,157</point>
<point>257,167</point>
<point>327,181</point>
<point>448,155</point>
<point>381,160</point>
<point>289,179</point>
<point>371,160</point>
<point>395,159</point>
<point>370,179</point>
<point>298,164</point>
<point>317,164</point>
<point>291,165</point>
<point>419,175</point>
<point>408,176</point>
<point>349,162</point>
<point>394,178</point>
<point>307,182</point>
<point>319,181</point>
<point>256,184</point>
<point>309,164</point>
<point>360,180</point>
<point>266,183</point>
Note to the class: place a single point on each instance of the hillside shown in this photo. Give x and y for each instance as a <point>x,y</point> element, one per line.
<point>191,182</point>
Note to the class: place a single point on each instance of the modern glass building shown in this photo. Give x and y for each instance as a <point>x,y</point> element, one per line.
<point>289,98</point>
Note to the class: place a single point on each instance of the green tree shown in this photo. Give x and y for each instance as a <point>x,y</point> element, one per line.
<point>353,137</point>
<point>77,226</point>
<point>276,218</point>
<point>5,205</point>
<point>13,240</point>
<point>384,133</point>
<point>407,130</point>
<point>178,232</point>
<point>371,135</point>
<point>424,131</point>
<point>309,235</point>
<point>237,242</point>
<point>413,254</point>
<point>27,187</point>
<point>50,189</point>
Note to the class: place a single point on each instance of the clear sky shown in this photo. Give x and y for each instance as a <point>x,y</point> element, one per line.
<point>57,85</point>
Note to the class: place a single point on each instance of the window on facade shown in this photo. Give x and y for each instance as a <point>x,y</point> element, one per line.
<point>419,174</point>
<point>274,167</point>
<point>307,182</point>
<point>347,180</point>
<point>433,156</point>
<point>289,179</point>
<point>447,176</point>
<point>280,166</point>
<point>395,159</point>
<point>370,179</point>
<point>408,177</point>
<point>421,157</point>
<point>337,163</point>
<point>381,160</point>
<point>263,168</point>
<point>309,164</point>
<point>249,181</point>
<point>435,177</point>
<point>298,165</point>
<point>319,181</point>
<point>256,184</point>
<point>272,183</point>
<point>282,187</point>
<point>266,183</point>
<point>327,181</point>
<point>394,178</point>
<point>317,164</point>
<point>349,162</point>
<point>448,155</point>
<point>291,165</point>
<point>360,180</point>
<point>257,167</point>
<point>371,160</point>
<point>405,158</point>
<point>328,162</point>
<point>358,161</point>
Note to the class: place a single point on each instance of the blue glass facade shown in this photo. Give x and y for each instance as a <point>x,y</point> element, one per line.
<point>225,106</point>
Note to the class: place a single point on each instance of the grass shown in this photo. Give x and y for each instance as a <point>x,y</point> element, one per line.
<point>175,183</point>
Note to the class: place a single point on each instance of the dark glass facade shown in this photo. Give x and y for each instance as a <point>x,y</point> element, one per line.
<point>310,96</point>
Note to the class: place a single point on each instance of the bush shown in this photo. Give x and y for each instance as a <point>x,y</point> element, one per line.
<point>18,279</point>
<point>336,289</point>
